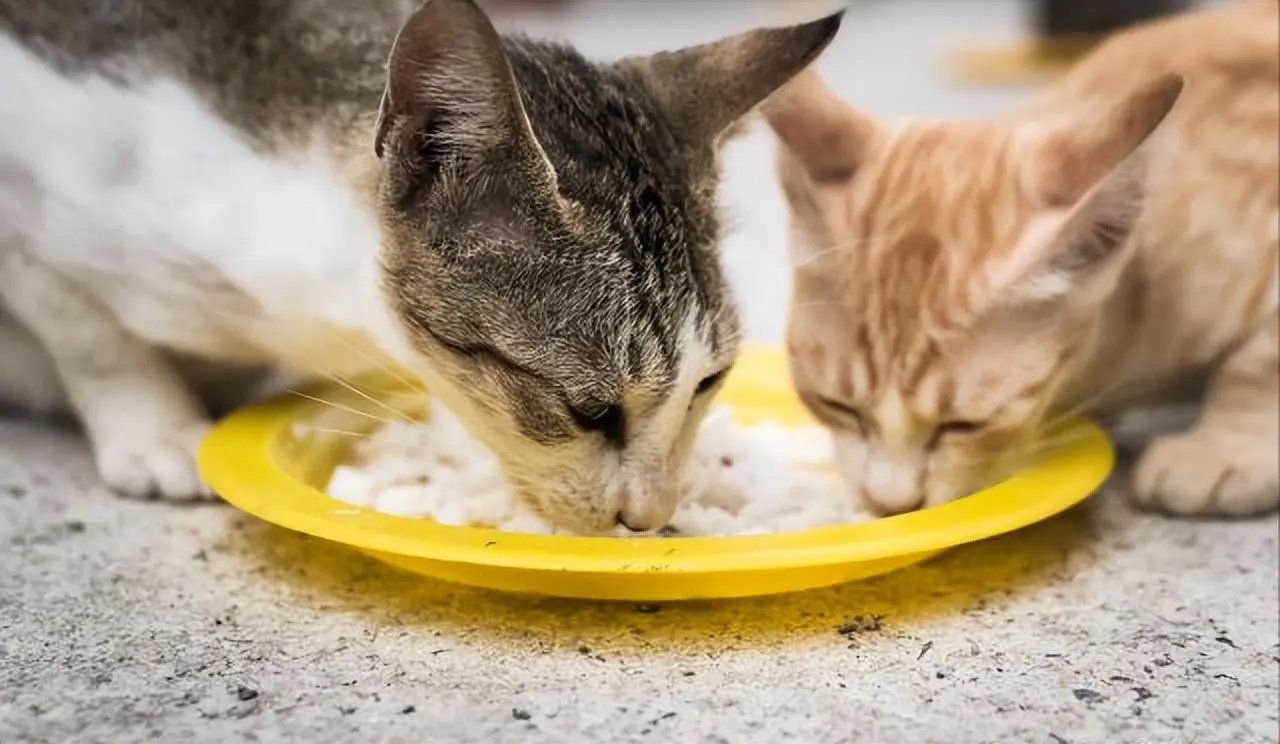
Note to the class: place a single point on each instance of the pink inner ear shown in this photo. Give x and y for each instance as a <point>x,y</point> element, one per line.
<point>447,59</point>
<point>440,35</point>
<point>1064,250</point>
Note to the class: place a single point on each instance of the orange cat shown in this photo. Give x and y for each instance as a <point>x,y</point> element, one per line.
<point>960,284</point>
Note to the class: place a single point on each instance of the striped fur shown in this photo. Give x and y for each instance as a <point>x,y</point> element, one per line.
<point>958,284</point>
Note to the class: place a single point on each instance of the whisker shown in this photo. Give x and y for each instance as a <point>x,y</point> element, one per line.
<point>1095,404</point>
<point>325,430</point>
<point>382,366</point>
<point>1031,449</point>
<point>340,406</point>
<point>841,246</point>
<point>381,404</point>
<point>817,303</point>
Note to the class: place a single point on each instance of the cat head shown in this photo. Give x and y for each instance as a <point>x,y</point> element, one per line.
<point>948,276</point>
<point>551,247</point>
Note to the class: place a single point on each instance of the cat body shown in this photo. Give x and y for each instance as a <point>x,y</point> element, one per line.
<point>332,187</point>
<point>961,285</point>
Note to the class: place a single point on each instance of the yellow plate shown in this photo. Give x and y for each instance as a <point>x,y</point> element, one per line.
<point>272,460</point>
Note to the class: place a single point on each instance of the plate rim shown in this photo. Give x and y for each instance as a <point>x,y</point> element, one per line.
<point>237,462</point>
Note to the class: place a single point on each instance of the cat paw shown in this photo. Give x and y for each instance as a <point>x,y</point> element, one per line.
<point>1199,473</point>
<point>159,466</point>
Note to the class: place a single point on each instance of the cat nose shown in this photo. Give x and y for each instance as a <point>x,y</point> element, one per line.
<point>646,496</point>
<point>644,514</point>
<point>890,487</point>
<point>890,503</point>
<point>641,520</point>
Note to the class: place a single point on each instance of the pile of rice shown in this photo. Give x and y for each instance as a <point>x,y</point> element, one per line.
<point>739,481</point>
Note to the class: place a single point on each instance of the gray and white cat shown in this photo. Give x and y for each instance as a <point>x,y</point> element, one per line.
<point>253,182</point>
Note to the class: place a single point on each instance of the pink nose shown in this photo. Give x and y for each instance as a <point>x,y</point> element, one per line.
<point>642,520</point>
<point>887,504</point>
<point>646,510</point>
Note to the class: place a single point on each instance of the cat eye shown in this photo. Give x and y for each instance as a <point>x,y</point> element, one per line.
<point>843,411</point>
<point>958,427</point>
<point>710,381</point>
<point>608,421</point>
<point>952,429</point>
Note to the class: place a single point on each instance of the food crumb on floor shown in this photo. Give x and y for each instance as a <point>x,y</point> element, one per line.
<point>926,648</point>
<point>862,624</point>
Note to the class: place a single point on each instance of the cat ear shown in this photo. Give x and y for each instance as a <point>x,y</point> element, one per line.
<point>450,89</point>
<point>1073,157</point>
<point>818,131</point>
<point>1090,188</point>
<point>708,88</point>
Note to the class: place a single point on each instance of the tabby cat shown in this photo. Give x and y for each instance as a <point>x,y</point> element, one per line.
<point>333,185</point>
<point>962,285</point>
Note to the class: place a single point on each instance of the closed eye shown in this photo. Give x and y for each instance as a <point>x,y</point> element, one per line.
<point>609,421</point>
<point>958,428</point>
<point>841,411</point>
<point>710,381</point>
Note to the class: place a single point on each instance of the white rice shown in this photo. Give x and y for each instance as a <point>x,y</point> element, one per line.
<point>740,480</point>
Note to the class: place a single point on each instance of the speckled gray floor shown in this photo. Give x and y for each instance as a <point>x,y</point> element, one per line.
<point>124,621</point>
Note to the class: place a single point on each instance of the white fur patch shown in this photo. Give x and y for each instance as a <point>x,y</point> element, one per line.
<point>648,491</point>
<point>162,213</point>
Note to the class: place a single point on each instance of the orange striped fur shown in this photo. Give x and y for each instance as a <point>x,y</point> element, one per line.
<point>958,284</point>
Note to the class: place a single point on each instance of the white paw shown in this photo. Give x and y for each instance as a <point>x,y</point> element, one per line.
<point>1200,473</point>
<point>161,465</point>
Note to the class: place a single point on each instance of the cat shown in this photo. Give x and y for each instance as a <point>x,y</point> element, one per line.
<point>331,186</point>
<point>961,286</point>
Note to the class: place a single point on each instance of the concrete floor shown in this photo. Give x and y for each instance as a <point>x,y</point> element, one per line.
<point>124,621</point>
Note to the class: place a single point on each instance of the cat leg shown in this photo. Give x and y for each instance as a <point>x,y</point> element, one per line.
<point>1228,463</point>
<point>142,421</point>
